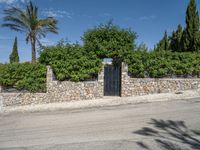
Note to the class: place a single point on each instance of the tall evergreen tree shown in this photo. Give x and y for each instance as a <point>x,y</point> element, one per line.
<point>14,57</point>
<point>166,41</point>
<point>175,44</point>
<point>163,44</point>
<point>191,35</point>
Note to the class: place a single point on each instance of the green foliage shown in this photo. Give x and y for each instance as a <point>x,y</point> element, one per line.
<point>109,41</point>
<point>191,38</point>
<point>175,44</point>
<point>142,47</point>
<point>164,64</point>
<point>188,39</point>
<point>24,76</point>
<point>14,57</point>
<point>135,64</point>
<point>163,44</point>
<point>71,62</point>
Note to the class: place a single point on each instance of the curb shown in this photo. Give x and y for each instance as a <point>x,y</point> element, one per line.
<point>104,102</point>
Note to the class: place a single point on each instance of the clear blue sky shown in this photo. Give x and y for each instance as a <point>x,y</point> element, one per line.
<point>149,18</point>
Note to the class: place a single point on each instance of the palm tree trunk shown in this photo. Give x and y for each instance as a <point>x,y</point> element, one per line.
<point>33,50</point>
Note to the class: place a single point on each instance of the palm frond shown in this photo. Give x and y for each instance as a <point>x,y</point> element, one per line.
<point>13,27</point>
<point>16,20</point>
<point>27,21</point>
<point>48,25</point>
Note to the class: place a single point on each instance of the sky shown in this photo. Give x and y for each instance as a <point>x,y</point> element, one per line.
<point>148,18</point>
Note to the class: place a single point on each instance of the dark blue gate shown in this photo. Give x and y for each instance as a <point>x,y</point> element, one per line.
<point>112,80</point>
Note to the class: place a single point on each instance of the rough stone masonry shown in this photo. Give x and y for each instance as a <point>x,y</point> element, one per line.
<point>67,91</point>
<point>143,86</point>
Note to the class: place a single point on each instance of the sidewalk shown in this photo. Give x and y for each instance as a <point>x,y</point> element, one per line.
<point>106,101</point>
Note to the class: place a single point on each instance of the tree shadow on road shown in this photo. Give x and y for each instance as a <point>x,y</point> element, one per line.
<point>170,135</point>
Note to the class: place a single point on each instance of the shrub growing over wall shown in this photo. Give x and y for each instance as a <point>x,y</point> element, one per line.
<point>24,76</point>
<point>163,64</point>
<point>71,62</point>
<point>108,40</point>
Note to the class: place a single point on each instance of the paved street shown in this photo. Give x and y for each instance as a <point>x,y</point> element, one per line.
<point>173,125</point>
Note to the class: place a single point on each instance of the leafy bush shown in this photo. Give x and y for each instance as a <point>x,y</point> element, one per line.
<point>71,62</point>
<point>24,76</point>
<point>109,41</point>
<point>163,64</point>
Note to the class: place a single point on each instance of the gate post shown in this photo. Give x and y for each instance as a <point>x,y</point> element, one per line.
<point>1,103</point>
<point>101,82</point>
<point>124,80</point>
<point>49,78</point>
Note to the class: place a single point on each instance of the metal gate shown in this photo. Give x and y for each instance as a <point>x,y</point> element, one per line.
<point>112,80</point>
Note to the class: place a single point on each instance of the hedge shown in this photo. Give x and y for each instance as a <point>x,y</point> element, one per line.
<point>24,76</point>
<point>108,40</point>
<point>163,64</point>
<point>71,62</point>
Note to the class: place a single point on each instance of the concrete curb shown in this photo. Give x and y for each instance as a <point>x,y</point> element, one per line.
<point>107,101</point>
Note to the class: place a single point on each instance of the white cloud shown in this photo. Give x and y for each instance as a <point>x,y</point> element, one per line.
<point>11,1</point>
<point>47,42</point>
<point>105,15</point>
<point>145,18</point>
<point>7,1</point>
<point>5,38</point>
<point>57,13</point>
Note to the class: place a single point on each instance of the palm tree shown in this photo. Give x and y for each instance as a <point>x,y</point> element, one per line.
<point>27,21</point>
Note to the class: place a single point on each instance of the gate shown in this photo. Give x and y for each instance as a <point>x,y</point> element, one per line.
<point>112,80</point>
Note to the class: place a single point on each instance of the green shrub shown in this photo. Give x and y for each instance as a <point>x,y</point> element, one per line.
<point>71,62</point>
<point>163,64</point>
<point>24,76</point>
<point>108,40</point>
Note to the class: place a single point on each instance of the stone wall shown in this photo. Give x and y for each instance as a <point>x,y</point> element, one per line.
<point>67,91</point>
<point>57,92</point>
<point>144,86</point>
<point>1,103</point>
<point>19,99</point>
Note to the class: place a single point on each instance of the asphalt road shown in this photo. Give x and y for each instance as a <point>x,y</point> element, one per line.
<point>171,125</point>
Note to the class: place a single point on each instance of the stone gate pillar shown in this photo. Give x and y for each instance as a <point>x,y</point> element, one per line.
<point>1,103</point>
<point>49,77</point>
<point>101,82</point>
<point>124,80</point>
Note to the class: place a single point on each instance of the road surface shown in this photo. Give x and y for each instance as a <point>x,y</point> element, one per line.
<point>171,125</point>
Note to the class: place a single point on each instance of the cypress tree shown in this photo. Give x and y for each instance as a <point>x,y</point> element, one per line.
<point>14,57</point>
<point>175,44</point>
<point>191,35</point>
<point>164,43</point>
